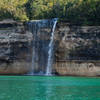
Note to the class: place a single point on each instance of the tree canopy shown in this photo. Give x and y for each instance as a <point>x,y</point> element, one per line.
<point>74,11</point>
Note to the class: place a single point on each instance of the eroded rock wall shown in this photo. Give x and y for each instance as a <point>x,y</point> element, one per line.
<point>77,50</point>
<point>15,49</point>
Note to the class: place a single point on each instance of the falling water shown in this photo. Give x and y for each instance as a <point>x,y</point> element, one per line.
<point>50,51</point>
<point>42,52</point>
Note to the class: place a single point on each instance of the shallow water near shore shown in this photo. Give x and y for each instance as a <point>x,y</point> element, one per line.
<point>49,88</point>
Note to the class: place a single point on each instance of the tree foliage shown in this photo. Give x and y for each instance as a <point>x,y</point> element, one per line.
<point>13,9</point>
<point>73,11</point>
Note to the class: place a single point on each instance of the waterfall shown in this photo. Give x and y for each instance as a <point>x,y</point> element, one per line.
<point>43,41</point>
<point>50,51</point>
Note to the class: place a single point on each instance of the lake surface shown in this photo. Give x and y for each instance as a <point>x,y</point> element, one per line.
<point>49,88</point>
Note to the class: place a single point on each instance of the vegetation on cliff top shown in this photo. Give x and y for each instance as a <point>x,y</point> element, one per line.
<point>83,12</point>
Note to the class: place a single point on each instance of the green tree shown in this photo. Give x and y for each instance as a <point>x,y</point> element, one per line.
<point>13,9</point>
<point>82,12</point>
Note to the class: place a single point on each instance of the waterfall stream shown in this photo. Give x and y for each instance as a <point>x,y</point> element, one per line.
<point>43,43</point>
<point>50,51</point>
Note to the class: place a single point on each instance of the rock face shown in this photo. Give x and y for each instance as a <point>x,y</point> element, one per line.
<point>77,50</point>
<point>15,49</point>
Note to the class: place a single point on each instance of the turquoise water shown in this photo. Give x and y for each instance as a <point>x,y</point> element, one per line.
<point>49,88</point>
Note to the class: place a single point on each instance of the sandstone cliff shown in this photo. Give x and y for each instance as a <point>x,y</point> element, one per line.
<point>15,48</point>
<point>76,49</point>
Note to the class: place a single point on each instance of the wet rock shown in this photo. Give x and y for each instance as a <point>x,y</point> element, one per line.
<point>15,49</point>
<point>77,49</point>
<point>75,44</point>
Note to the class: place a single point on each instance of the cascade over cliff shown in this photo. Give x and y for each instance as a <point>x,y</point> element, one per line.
<point>76,49</point>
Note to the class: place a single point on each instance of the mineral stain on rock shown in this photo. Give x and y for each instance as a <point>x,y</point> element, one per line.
<point>76,49</point>
<point>15,48</point>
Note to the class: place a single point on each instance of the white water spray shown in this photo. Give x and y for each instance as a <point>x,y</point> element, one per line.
<point>42,53</point>
<point>50,51</point>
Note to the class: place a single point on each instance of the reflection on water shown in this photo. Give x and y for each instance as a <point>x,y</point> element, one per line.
<point>49,88</point>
